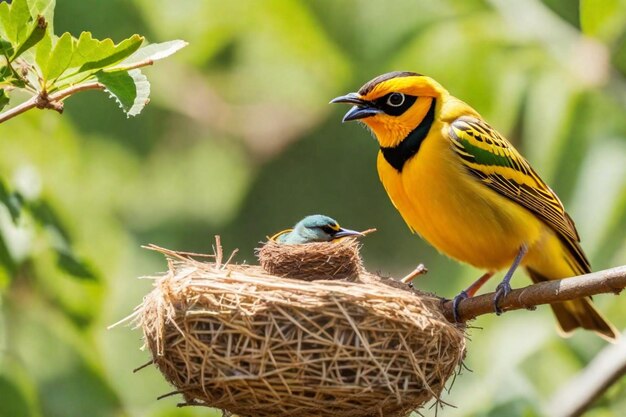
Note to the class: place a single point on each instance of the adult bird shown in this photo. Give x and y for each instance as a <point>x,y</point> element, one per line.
<point>466,190</point>
<point>315,228</point>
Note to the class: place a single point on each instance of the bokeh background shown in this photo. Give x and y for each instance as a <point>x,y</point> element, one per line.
<point>239,140</point>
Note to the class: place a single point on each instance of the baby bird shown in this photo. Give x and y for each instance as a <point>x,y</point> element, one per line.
<point>315,228</point>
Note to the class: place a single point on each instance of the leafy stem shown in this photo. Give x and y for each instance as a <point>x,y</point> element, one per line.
<point>52,101</point>
<point>44,100</point>
<point>51,68</point>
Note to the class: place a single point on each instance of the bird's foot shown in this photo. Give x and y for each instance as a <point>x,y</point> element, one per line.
<point>502,290</point>
<point>463,295</point>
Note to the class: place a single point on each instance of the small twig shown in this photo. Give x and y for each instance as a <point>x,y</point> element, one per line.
<point>217,249</point>
<point>575,397</point>
<point>140,64</point>
<point>145,365</point>
<point>169,394</point>
<point>52,101</point>
<point>192,254</point>
<point>20,108</point>
<point>230,258</point>
<point>126,319</point>
<point>60,95</point>
<point>607,281</point>
<point>152,246</point>
<point>419,270</point>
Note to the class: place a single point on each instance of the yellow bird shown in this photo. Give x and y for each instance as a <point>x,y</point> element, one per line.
<point>466,190</point>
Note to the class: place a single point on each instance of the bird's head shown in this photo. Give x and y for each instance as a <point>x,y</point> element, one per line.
<point>392,105</point>
<point>320,228</point>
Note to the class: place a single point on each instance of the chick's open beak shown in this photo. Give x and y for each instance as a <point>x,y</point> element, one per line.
<point>346,232</point>
<point>361,108</point>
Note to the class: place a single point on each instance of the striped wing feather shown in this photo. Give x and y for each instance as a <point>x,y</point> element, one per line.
<point>497,164</point>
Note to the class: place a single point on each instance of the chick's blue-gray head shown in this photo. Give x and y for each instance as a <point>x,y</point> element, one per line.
<point>316,228</point>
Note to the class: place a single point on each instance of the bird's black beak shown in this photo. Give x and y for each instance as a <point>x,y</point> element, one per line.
<point>361,108</point>
<point>346,232</point>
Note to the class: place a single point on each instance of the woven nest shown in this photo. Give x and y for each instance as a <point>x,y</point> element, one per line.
<point>237,338</point>
<point>313,261</point>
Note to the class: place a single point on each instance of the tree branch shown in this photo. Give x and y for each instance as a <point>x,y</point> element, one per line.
<point>607,281</point>
<point>52,101</point>
<point>575,397</point>
<point>60,95</point>
<point>19,109</point>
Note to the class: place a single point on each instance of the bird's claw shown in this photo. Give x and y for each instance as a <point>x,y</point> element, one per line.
<point>463,295</point>
<point>502,290</point>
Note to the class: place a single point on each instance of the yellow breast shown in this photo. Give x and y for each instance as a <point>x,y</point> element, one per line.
<point>455,213</point>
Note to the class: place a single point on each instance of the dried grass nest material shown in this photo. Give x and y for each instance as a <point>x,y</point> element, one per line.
<point>339,259</point>
<point>237,338</point>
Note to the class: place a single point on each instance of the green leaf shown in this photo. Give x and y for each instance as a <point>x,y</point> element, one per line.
<point>20,16</point>
<point>5,19</point>
<point>75,266</point>
<point>47,217</point>
<point>603,19</point>
<point>8,76</point>
<point>7,263</point>
<point>93,54</point>
<point>37,32</point>
<point>63,360</point>
<point>4,99</point>
<point>43,8</point>
<point>6,48</point>
<point>42,51</point>
<point>13,204</point>
<point>5,73</point>
<point>14,19</point>
<point>152,52</point>
<point>60,241</point>
<point>19,28</point>
<point>130,89</point>
<point>17,387</point>
<point>60,58</point>
<point>15,403</point>
<point>12,200</point>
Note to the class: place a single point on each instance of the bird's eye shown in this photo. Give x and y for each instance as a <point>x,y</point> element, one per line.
<point>395,99</point>
<point>328,230</point>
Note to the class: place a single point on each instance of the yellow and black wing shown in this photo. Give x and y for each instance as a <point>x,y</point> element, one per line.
<point>497,164</point>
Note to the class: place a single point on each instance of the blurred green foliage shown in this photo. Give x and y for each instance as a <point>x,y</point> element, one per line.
<point>239,141</point>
